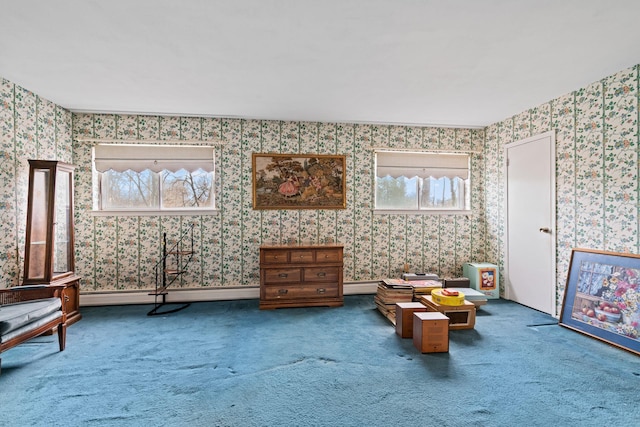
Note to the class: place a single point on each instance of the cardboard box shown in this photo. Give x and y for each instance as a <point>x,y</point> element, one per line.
<point>419,276</point>
<point>483,277</point>
<point>460,316</point>
<point>431,332</point>
<point>404,317</point>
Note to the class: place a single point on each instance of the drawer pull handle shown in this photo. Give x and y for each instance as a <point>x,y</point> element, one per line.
<point>66,298</point>
<point>283,275</point>
<point>321,290</point>
<point>282,291</point>
<point>322,274</point>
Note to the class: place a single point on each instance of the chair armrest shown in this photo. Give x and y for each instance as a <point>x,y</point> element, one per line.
<point>28,293</point>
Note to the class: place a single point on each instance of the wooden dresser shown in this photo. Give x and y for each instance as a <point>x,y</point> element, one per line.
<point>301,276</point>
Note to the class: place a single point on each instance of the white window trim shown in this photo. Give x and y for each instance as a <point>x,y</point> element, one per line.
<point>418,211</point>
<point>466,212</point>
<point>167,212</point>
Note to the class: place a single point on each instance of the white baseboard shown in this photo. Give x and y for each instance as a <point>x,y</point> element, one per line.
<point>196,295</point>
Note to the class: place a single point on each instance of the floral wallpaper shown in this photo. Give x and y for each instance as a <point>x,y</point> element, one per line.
<point>597,189</point>
<point>597,182</point>
<point>30,127</point>
<point>118,252</point>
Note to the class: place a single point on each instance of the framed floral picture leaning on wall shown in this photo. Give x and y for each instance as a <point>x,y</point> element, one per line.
<point>298,181</point>
<point>601,298</point>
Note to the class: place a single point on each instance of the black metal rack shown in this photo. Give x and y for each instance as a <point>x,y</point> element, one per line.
<point>171,266</point>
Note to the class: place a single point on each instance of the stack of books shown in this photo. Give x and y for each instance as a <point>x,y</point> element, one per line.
<point>389,292</point>
<point>424,287</point>
<point>420,276</point>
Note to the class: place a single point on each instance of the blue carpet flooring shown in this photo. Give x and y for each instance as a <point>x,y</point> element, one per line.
<point>229,364</point>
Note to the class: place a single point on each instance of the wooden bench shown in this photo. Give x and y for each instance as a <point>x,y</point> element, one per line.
<point>29,311</point>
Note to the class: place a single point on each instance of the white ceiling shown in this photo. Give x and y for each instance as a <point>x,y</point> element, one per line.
<point>426,62</point>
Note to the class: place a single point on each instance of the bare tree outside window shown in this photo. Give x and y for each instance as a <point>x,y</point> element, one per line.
<point>150,190</point>
<point>442,193</point>
<point>130,189</point>
<point>409,193</point>
<point>184,189</point>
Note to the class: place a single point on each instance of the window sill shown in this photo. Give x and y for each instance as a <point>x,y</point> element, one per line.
<point>420,212</point>
<point>168,212</point>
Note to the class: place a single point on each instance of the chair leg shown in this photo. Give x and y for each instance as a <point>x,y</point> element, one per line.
<point>62,335</point>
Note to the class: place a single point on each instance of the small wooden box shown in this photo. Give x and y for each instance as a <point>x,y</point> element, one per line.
<point>460,316</point>
<point>431,332</point>
<point>404,317</point>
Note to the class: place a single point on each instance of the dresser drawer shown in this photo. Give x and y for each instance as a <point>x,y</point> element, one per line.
<point>274,256</point>
<point>321,274</point>
<point>281,275</point>
<point>293,292</point>
<point>328,255</point>
<point>299,256</point>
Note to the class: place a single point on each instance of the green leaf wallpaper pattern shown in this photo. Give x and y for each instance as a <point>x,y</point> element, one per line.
<point>598,190</point>
<point>597,182</point>
<point>375,245</point>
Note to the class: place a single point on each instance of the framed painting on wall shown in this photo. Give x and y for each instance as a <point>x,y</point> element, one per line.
<point>602,297</point>
<point>298,181</point>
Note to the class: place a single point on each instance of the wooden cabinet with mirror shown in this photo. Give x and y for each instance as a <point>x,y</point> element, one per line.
<point>49,256</point>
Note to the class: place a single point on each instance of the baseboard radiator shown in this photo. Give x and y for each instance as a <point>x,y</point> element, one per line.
<point>88,299</point>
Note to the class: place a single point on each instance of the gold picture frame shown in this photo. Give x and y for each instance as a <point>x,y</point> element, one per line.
<point>298,181</point>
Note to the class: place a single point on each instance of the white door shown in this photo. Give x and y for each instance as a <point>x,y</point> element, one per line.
<point>530,263</point>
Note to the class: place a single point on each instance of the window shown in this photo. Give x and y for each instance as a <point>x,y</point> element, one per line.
<point>423,182</point>
<point>154,177</point>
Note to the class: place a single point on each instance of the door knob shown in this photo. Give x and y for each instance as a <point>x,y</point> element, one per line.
<point>545,230</point>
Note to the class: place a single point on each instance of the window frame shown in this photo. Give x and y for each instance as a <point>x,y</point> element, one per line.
<point>98,178</point>
<point>466,210</point>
